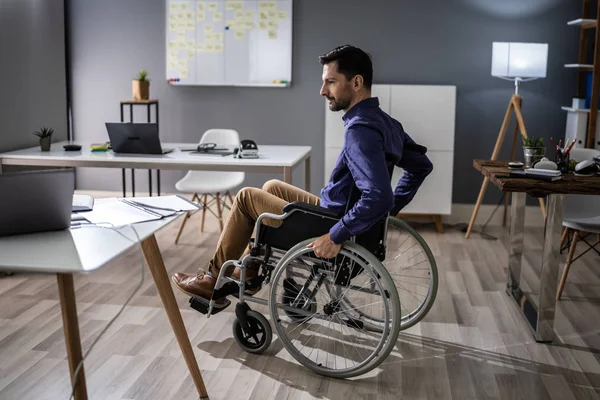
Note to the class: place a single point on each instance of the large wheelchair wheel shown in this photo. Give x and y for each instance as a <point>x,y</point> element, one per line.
<point>309,303</point>
<point>411,264</point>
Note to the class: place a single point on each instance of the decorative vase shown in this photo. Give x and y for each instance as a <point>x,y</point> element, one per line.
<point>533,155</point>
<point>141,90</point>
<point>45,143</point>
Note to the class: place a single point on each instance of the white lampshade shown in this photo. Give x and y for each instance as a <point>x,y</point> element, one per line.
<point>519,60</point>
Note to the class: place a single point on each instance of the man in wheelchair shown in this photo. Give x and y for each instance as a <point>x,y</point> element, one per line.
<point>372,138</point>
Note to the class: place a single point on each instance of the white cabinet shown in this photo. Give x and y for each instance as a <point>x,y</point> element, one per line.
<point>427,113</point>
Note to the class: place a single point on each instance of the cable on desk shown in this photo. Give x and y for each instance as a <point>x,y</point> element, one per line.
<point>76,373</point>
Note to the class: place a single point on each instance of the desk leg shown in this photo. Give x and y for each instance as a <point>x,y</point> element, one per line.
<point>158,182</point>
<point>150,182</point>
<point>541,316</point>
<point>307,174</point>
<point>123,178</point>
<point>163,285</point>
<point>549,273</point>
<point>71,329</point>
<point>132,182</point>
<point>287,175</point>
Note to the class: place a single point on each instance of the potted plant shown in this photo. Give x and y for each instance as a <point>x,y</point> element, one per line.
<point>533,149</point>
<point>141,86</point>
<point>45,135</point>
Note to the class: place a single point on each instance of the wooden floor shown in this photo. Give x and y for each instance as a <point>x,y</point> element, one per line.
<point>472,345</point>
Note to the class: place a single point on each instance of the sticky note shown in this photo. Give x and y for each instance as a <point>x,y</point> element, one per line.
<point>210,47</point>
<point>201,48</point>
<point>272,33</point>
<point>239,35</point>
<point>191,25</point>
<point>200,6</point>
<point>212,6</point>
<point>263,25</point>
<point>218,16</point>
<point>218,37</point>
<point>264,16</point>
<point>272,14</point>
<point>250,15</point>
<point>208,29</point>
<point>200,15</point>
<point>209,37</point>
<point>184,6</point>
<point>219,48</point>
<point>191,53</point>
<point>173,6</point>
<point>180,37</point>
<point>239,15</point>
<point>191,44</point>
<point>282,15</point>
<point>183,73</point>
<point>173,26</point>
<point>272,24</point>
<point>234,5</point>
<point>267,5</point>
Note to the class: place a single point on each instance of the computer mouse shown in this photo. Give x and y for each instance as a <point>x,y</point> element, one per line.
<point>586,168</point>
<point>72,147</point>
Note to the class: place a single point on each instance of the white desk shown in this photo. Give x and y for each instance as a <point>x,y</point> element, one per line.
<point>76,250</point>
<point>279,159</point>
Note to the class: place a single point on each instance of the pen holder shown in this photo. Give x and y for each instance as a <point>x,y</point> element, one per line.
<point>562,161</point>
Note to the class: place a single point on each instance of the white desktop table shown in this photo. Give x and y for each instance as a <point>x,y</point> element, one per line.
<point>75,251</point>
<point>278,159</point>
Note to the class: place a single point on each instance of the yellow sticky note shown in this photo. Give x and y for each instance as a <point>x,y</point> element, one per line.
<point>191,53</point>
<point>239,35</point>
<point>273,24</point>
<point>201,48</point>
<point>218,37</point>
<point>263,25</point>
<point>219,48</point>
<point>210,47</point>
<point>173,53</point>
<point>264,16</point>
<point>234,5</point>
<point>191,26</point>
<point>212,6</point>
<point>184,6</point>
<point>173,26</point>
<point>249,25</point>
<point>200,15</point>
<point>191,44</point>
<point>272,14</point>
<point>173,6</point>
<point>218,16</point>
<point>208,29</point>
<point>189,15</point>
<point>200,6</point>
<point>183,73</point>
<point>180,37</point>
<point>250,15</point>
<point>282,15</point>
<point>173,44</point>
<point>209,37</point>
<point>267,5</point>
<point>272,33</point>
<point>239,15</point>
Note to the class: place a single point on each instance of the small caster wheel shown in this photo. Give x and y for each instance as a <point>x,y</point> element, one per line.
<point>259,338</point>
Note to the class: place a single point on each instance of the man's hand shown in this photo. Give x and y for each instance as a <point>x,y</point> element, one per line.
<point>323,247</point>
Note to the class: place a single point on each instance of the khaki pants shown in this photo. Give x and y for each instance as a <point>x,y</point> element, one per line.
<point>249,203</point>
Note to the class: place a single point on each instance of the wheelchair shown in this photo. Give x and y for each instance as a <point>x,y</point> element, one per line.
<point>339,317</point>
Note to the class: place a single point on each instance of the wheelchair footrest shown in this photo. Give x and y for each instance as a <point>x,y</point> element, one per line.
<point>202,306</point>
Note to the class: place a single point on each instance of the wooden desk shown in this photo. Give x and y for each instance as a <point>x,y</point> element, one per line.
<point>540,316</point>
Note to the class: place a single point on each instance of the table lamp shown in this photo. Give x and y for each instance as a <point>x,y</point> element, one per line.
<point>518,62</point>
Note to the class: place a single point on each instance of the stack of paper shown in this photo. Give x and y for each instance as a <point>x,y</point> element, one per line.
<point>119,212</point>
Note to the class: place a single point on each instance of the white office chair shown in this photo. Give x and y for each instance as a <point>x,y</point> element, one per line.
<point>216,184</point>
<point>581,219</point>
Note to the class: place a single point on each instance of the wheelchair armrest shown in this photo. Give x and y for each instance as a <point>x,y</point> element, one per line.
<point>322,211</point>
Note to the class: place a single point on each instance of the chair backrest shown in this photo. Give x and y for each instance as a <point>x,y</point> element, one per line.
<point>582,206</point>
<point>222,137</point>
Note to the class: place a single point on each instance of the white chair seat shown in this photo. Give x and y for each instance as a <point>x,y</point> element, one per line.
<point>585,224</point>
<point>210,181</point>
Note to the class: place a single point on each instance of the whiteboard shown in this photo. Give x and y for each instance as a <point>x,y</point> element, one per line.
<point>229,43</point>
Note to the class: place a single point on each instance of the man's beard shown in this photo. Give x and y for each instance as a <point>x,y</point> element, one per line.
<point>340,104</point>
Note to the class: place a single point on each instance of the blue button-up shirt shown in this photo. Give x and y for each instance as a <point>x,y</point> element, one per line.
<point>370,135</point>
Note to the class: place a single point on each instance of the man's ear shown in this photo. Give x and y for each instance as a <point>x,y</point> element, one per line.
<point>357,82</point>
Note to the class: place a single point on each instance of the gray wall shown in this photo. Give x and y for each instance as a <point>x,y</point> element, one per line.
<point>33,89</point>
<point>411,41</point>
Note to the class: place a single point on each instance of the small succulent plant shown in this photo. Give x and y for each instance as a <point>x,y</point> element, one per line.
<point>533,142</point>
<point>44,132</point>
<point>142,75</point>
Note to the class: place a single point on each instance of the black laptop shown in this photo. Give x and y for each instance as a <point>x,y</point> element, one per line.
<point>36,201</point>
<point>135,138</point>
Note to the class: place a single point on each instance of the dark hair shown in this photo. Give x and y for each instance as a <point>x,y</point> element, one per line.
<point>351,61</point>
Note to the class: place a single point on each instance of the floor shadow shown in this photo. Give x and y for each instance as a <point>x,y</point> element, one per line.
<point>410,353</point>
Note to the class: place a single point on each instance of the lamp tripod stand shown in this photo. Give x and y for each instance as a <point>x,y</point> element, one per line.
<point>513,106</point>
